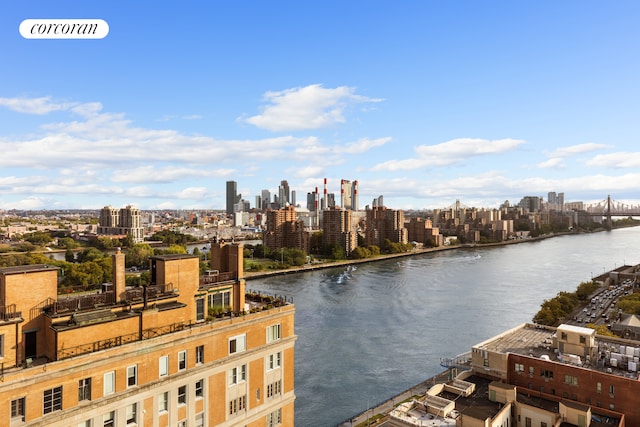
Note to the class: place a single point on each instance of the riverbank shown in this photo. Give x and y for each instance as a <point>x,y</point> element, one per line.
<point>345,263</point>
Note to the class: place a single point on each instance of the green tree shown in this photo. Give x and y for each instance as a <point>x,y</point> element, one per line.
<point>38,238</point>
<point>138,255</point>
<point>89,254</point>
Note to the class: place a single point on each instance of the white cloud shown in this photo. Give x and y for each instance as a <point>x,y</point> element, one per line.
<point>577,149</point>
<point>616,160</point>
<point>165,174</point>
<point>309,107</point>
<point>451,152</point>
<point>39,106</point>
<point>362,145</point>
<point>553,163</point>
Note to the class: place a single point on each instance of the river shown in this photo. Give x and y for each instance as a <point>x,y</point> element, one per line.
<point>368,334</point>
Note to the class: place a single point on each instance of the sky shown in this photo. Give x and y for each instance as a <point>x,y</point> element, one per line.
<point>422,102</point>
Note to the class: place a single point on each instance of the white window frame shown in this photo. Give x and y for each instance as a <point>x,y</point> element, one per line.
<point>274,418</point>
<point>200,354</point>
<point>199,389</point>
<point>131,414</point>
<point>274,332</point>
<point>109,419</point>
<point>18,409</point>
<point>238,374</point>
<point>109,384</point>
<point>54,401</point>
<point>274,361</point>
<point>182,396</point>
<point>132,374</point>
<point>163,366</point>
<point>163,402</point>
<point>238,344</point>
<point>182,360</point>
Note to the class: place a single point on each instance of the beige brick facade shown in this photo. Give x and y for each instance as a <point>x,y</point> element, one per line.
<point>155,360</point>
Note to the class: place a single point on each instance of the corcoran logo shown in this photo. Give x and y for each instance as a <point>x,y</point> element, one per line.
<point>64,29</point>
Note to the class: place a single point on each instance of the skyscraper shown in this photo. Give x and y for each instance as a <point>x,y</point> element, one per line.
<point>232,195</point>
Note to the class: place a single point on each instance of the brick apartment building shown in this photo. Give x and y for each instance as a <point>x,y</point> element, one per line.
<point>285,230</point>
<point>338,229</point>
<point>383,223</point>
<point>150,356</point>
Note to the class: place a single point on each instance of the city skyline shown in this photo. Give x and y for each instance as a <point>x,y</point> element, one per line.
<point>422,103</point>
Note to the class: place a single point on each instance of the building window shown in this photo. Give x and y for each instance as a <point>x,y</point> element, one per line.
<point>531,371</point>
<point>273,333</point>
<point>598,387</point>
<point>182,360</point>
<point>563,336</point>
<point>1,345</point>
<point>238,374</point>
<point>612,390</point>
<point>237,405</point>
<point>182,395</point>
<point>84,389</point>
<point>109,383</point>
<point>132,376</point>
<point>583,339</point>
<point>527,422</point>
<point>571,380</point>
<point>200,388</point>
<point>199,354</point>
<point>163,402</point>
<point>131,412</point>
<point>199,420</point>
<point>274,418</point>
<point>52,400</point>
<point>109,419</point>
<point>220,299</point>
<point>274,360</point>
<point>86,423</point>
<point>182,423</point>
<point>17,409</point>
<point>519,367</point>
<point>543,424</point>
<point>163,366</point>
<point>237,344</point>
<point>546,374</point>
<point>274,389</point>
<point>200,312</point>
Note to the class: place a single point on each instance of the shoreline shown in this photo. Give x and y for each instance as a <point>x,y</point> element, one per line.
<point>345,263</point>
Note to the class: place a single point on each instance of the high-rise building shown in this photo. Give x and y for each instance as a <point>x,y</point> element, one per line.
<point>338,229</point>
<point>285,230</point>
<point>266,200</point>
<point>284,194</point>
<point>186,350</point>
<point>121,222</point>
<point>232,195</point>
<point>382,224</point>
<point>345,194</point>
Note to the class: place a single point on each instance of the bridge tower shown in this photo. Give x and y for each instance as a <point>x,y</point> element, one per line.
<point>609,223</point>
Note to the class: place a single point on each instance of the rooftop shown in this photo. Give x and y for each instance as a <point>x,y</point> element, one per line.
<point>614,355</point>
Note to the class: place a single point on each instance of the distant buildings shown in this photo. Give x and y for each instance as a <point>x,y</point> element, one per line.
<point>121,222</point>
<point>382,224</point>
<point>338,229</point>
<point>284,230</point>
<point>231,196</point>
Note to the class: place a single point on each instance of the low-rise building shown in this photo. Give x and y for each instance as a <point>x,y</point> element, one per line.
<point>184,351</point>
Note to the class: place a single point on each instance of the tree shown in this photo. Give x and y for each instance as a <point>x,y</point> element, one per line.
<point>38,238</point>
<point>89,254</point>
<point>138,255</point>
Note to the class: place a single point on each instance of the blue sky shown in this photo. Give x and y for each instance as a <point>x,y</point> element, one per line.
<point>423,102</point>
